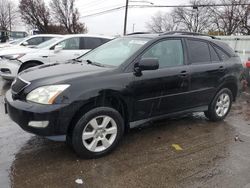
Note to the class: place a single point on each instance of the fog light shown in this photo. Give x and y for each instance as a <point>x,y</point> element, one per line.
<point>38,124</point>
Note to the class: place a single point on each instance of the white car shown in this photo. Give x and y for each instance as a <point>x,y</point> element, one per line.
<point>57,50</point>
<point>29,41</point>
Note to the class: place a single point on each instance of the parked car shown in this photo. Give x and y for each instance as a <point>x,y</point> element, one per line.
<point>14,35</point>
<point>30,41</point>
<point>122,84</point>
<point>59,49</point>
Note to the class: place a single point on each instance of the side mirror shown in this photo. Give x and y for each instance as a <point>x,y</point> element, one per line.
<point>147,64</point>
<point>25,43</point>
<point>58,48</point>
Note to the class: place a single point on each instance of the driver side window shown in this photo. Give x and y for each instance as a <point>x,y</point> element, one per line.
<point>70,44</point>
<point>35,41</point>
<point>169,53</point>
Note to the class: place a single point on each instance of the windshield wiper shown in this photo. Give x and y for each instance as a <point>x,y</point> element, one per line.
<point>94,63</point>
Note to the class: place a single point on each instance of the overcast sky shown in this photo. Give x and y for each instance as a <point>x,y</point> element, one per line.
<point>112,23</point>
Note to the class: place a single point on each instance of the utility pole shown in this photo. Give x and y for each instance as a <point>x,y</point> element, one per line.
<point>125,18</point>
<point>9,16</point>
<point>195,7</point>
<point>133,28</point>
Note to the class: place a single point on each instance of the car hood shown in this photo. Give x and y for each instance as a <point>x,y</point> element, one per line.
<point>6,45</point>
<point>58,72</point>
<point>16,50</point>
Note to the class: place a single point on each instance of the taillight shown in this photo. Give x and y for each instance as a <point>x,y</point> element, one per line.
<point>248,64</point>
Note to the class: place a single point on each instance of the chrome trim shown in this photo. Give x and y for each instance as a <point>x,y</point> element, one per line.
<point>18,77</point>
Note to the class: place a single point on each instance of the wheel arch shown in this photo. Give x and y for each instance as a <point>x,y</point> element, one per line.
<point>27,62</point>
<point>232,86</point>
<point>109,98</point>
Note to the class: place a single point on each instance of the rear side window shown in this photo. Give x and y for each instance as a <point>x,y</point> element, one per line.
<point>223,56</point>
<point>198,51</point>
<point>91,42</point>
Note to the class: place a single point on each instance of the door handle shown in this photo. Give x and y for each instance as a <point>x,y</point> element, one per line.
<point>183,73</point>
<point>221,68</point>
<point>44,56</point>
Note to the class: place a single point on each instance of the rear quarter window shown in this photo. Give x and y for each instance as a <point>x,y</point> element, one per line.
<point>223,55</point>
<point>214,55</point>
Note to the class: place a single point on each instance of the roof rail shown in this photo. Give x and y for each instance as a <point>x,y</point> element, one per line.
<point>138,33</point>
<point>187,33</point>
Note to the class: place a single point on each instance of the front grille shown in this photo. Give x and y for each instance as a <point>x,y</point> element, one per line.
<point>18,85</point>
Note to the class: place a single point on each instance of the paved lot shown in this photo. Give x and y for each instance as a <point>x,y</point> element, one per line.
<point>212,155</point>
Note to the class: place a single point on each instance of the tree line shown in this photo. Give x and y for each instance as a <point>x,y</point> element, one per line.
<point>60,16</point>
<point>214,20</point>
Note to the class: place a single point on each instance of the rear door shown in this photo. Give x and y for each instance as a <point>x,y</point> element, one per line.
<point>162,91</point>
<point>207,70</point>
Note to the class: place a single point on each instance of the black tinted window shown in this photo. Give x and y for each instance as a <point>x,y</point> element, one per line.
<point>198,51</point>
<point>222,54</point>
<point>35,41</point>
<point>91,43</point>
<point>214,55</point>
<point>169,53</point>
<point>47,38</point>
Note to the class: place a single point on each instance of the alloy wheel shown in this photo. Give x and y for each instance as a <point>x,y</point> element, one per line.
<point>100,133</point>
<point>222,104</point>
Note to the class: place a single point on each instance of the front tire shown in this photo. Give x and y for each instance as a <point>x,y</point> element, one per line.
<point>97,132</point>
<point>220,106</point>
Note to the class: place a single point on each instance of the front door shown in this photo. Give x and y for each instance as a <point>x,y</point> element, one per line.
<point>71,48</point>
<point>162,91</point>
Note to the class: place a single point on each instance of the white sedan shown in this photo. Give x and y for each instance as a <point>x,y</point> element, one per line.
<point>29,41</point>
<point>57,50</point>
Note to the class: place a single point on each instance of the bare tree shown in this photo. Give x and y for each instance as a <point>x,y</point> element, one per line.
<point>36,14</point>
<point>245,22</point>
<point>8,14</point>
<point>66,14</point>
<point>231,19</point>
<point>194,19</point>
<point>162,22</point>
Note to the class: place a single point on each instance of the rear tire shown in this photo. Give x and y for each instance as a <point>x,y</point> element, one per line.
<point>97,132</point>
<point>220,106</point>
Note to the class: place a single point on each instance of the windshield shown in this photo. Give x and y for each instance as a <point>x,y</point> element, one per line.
<point>18,41</point>
<point>48,42</point>
<point>115,52</point>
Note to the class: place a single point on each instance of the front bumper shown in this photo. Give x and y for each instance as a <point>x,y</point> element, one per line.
<point>22,112</point>
<point>9,68</point>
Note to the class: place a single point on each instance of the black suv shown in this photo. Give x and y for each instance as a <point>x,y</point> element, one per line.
<point>122,84</point>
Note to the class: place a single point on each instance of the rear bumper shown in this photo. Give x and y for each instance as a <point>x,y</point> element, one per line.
<point>9,68</point>
<point>58,116</point>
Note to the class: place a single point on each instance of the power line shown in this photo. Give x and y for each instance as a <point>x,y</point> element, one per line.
<point>185,6</point>
<point>96,10</point>
<point>162,6</point>
<point>103,12</point>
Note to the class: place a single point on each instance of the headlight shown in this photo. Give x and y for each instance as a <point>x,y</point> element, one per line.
<point>46,94</point>
<point>13,56</point>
